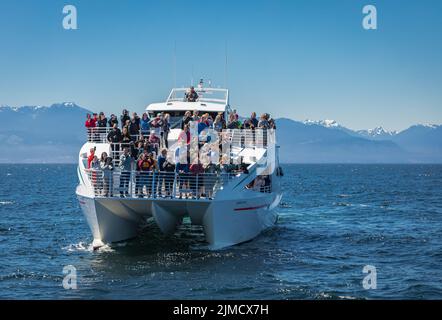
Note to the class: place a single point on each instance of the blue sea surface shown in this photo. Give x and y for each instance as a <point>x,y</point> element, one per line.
<point>333,221</point>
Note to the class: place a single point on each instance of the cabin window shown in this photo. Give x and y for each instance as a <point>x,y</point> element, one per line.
<point>177,116</point>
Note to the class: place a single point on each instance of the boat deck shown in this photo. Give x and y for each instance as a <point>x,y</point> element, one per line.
<point>162,185</point>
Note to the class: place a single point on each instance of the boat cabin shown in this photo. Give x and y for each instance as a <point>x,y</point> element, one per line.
<point>210,100</point>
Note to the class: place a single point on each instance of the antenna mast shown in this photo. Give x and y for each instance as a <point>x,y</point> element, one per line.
<point>225,67</point>
<point>174,65</point>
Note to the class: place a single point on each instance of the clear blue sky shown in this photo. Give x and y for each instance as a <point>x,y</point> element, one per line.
<point>298,59</point>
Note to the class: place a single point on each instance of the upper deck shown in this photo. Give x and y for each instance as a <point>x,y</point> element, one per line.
<point>209,100</point>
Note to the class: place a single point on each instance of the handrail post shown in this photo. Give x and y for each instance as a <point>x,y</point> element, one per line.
<point>174,185</point>
<point>129,185</point>
<point>153,185</point>
<point>197,195</point>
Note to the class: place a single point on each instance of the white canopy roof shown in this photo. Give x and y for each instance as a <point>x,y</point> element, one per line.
<point>209,99</point>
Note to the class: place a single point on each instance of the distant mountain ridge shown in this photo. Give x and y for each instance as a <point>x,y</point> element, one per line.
<point>372,133</point>
<point>43,134</point>
<point>54,134</point>
<point>328,141</point>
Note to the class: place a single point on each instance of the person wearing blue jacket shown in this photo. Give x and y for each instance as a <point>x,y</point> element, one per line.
<point>145,124</point>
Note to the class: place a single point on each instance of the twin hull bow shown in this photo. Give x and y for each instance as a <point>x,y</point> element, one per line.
<point>225,222</point>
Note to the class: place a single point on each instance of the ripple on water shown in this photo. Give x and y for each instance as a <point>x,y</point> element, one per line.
<point>332,223</point>
<point>88,247</point>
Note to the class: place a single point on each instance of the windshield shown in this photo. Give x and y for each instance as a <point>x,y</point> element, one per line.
<point>204,95</point>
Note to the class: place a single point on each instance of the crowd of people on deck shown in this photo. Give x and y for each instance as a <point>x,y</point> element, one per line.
<point>141,144</point>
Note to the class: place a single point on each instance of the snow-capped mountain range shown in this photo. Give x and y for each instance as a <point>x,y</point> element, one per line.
<point>375,133</point>
<point>325,123</point>
<point>34,108</point>
<point>55,133</point>
<point>328,141</point>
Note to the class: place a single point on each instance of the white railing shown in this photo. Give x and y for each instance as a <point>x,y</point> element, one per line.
<point>248,138</point>
<point>159,184</point>
<point>263,189</point>
<point>99,134</point>
<point>245,138</point>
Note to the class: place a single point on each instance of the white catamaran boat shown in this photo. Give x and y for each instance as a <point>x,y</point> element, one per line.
<point>232,206</point>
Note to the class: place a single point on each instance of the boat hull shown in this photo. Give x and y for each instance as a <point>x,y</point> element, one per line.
<point>225,222</point>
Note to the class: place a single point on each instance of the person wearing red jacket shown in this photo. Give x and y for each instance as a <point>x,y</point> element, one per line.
<point>90,158</point>
<point>95,117</point>
<point>90,122</point>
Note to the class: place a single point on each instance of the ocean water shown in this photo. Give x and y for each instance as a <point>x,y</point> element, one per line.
<point>333,221</point>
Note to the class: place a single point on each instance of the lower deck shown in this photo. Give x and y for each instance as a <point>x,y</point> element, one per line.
<point>168,185</point>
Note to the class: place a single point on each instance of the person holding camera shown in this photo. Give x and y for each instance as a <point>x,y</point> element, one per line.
<point>124,118</point>
<point>125,167</point>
